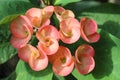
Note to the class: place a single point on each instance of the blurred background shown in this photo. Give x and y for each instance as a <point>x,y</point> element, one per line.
<point>111,1</point>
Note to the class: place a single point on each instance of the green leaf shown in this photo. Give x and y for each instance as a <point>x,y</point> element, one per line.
<point>8,19</point>
<point>24,72</point>
<point>69,77</point>
<point>106,58</point>
<point>77,7</point>
<point>57,77</point>
<point>10,7</point>
<point>64,2</point>
<point>6,52</point>
<point>103,13</point>
<point>4,33</point>
<point>107,17</point>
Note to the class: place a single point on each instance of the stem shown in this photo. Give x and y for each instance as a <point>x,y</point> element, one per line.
<point>47,2</point>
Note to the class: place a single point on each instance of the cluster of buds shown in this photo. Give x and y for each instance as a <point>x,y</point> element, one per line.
<point>36,22</point>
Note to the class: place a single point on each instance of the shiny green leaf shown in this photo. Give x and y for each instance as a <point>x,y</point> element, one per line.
<point>107,51</point>
<point>24,72</point>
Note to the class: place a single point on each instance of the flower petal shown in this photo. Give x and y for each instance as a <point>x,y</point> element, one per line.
<point>50,46</point>
<point>84,61</point>
<point>89,26</point>
<point>47,12</point>
<point>19,27</point>
<point>62,70</point>
<point>47,31</point>
<point>62,52</point>
<point>67,14</point>
<point>87,64</point>
<point>69,30</point>
<point>25,52</point>
<point>38,60</point>
<point>35,16</point>
<point>20,42</point>
<point>62,61</point>
<point>85,49</point>
<point>88,29</point>
<point>58,12</point>
<point>94,37</point>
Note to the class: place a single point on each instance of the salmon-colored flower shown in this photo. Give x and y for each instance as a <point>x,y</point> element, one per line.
<point>21,26</point>
<point>47,31</point>
<point>48,37</point>
<point>21,30</point>
<point>88,30</point>
<point>47,12</point>
<point>84,61</point>
<point>48,45</point>
<point>58,12</point>
<point>67,14</point>
<point>24,53</point>
<point>38,60</point>
<point>62,61</point>
<point>69,30</point>
<point>35,16</point>
<point>61,13</point>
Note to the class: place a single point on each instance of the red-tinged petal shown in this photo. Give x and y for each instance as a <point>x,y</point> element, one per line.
<point>47,12</point>
<point>63,53</point>
<point>20,26</point>
<point>83,35</point>
<point>61,70</point>
<point>45,23</point>
<point>85,49</point>
<point>69,30</point>
<point>35,16</point>
<point>49,46</point>
<point>58,12</point>
<point>62,61</point>
<point>38,60</point>
<point>88,29</point>
<point>25,52</point>
<point>67,14</point>
<point>90,26</point>
<point>84,61</point>
<point>18,42</point>
<point>94,37</point>
<point>87,64</point>
<point>47,31</point>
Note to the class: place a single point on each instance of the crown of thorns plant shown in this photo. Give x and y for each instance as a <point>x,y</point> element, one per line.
<point>36,22</point>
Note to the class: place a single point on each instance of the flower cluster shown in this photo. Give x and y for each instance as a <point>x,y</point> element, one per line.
<point>36,22</point>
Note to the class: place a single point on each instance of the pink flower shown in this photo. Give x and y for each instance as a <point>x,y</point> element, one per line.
<point>67,14</point>
<point>58,12</point>
<point>84,61</point>
<point>47,31</point>
<point>36,59</point>
<point>48,37</point>
<point>61,13</point>
<point>21,29</point>
<point>40,17</point>
<point>69,30</point>
<point>35,16</point>
<point>62,61</point>
<point>49,45</point>
<point>88,30</point>
<point>25,52</point>
<point>47,12</point>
